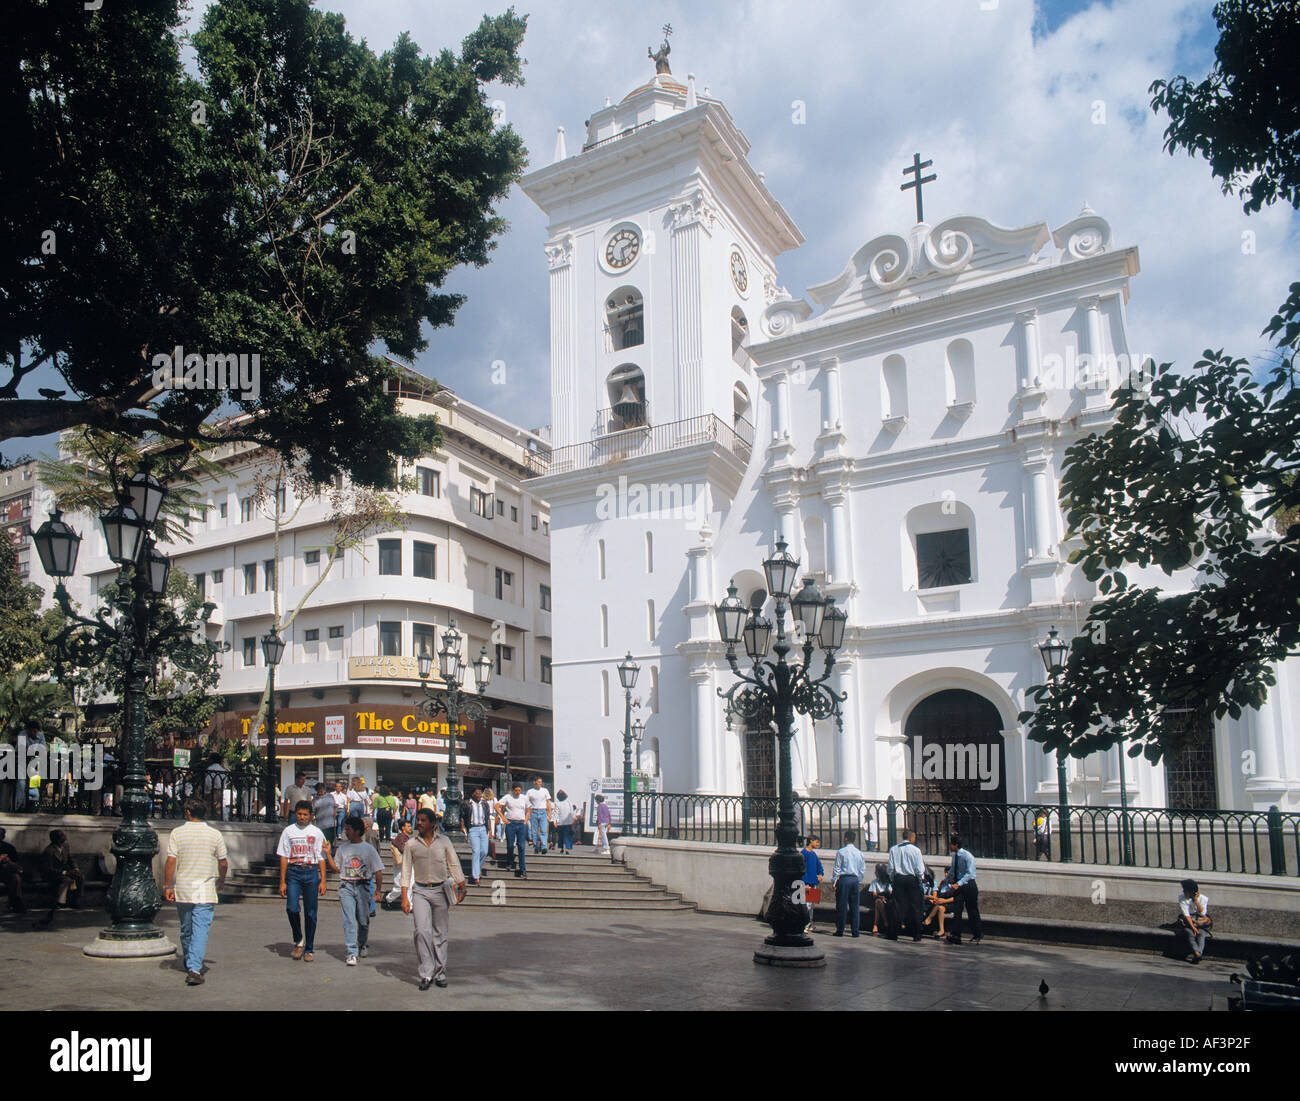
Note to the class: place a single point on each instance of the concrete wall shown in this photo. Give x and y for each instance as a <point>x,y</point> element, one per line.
<point>246,842</point>
<point>733,878</point>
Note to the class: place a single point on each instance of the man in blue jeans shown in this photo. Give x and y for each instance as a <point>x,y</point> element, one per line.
<point>539,815</point>
<point>195,871</point>
<point>846,877</point>
<point>475,816</point>
<point>514,809</point>
<point>303,852</point>
<point>361,879</point>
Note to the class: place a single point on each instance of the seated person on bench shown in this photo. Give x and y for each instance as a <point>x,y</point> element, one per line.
<point>1194,918</point>
<point>939,898</point>
<point>879,890</point>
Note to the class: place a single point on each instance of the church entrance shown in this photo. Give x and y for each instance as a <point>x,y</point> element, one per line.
<point>760,759</point>
<point>956,764</point>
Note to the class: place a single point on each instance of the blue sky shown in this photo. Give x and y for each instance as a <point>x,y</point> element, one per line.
<point>1026,110</point>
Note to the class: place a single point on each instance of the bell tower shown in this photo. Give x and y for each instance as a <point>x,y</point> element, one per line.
<point>661,252</point>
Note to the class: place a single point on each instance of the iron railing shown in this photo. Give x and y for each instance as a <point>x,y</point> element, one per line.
<point>231,796</point>
<point>635,443</point>
<point>616,137</point>
<point>1247,842</point>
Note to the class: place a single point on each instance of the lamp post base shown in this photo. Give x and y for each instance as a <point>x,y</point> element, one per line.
<point>123,946</point>
<point>789,955</point>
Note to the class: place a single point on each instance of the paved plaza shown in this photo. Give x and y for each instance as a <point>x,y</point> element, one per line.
<point>503,958</point>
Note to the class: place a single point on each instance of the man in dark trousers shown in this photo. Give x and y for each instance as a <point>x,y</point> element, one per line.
<point>906,870</point>
<point>846,877</point>
<point>966,893</point>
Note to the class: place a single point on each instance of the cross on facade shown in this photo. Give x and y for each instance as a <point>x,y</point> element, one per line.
<point>915,169</point>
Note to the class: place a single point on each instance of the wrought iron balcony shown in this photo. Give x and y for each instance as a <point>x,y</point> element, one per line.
<point>612,443</point>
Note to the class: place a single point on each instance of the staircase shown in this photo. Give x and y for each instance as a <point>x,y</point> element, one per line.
<point>580,880</point>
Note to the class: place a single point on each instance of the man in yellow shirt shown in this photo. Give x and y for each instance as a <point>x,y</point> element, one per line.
<point>195,871</point>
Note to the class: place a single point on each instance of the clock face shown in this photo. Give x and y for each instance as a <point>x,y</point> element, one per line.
<point>622,248</point>
<point>739,273</point>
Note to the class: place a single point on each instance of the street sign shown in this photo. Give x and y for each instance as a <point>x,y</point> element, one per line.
<point>181,758</point>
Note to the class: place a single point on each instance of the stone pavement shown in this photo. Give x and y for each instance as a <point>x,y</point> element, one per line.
<point>506,959</point>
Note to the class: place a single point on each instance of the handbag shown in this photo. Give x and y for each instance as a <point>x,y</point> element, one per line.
<point>812,895</point>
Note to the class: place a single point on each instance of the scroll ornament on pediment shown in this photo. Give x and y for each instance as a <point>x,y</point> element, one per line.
<point>891,260</point>
<point>1087,235</point>
<point>696,207</point>
<point>559,254</point>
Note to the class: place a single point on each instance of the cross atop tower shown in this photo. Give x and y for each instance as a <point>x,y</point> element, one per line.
<point>660,58</point>
<point>915,169</point>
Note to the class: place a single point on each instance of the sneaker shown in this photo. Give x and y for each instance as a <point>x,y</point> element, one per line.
<point>296,954</point>
<point>352,961</point>
<point>363,951</point>
<point>307,957</point>
<point>193,978</point>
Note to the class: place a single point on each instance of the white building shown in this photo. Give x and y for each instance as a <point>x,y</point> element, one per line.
<point>903,429</point>
<point>475,548</point>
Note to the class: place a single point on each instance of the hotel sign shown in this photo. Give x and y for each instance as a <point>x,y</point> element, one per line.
<point>383,668</point>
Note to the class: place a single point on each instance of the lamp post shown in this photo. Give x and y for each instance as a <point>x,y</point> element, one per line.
<point>785,686</point>
<point>627,674</point>
<point>1126,838</point>
<point>1054,650</point>
<point>272,651</point>
<point>133,896</point>
<point>638,732</point>
<point>452,702</point>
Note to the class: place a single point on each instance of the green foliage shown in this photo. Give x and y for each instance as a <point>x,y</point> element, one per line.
<point>302,198</point>
<point>20,615</point>
<point>22,697</point>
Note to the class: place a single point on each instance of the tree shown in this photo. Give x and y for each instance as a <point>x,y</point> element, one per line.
<point>301,199</point>
<point>20,614</point>
<point>1196,475</point>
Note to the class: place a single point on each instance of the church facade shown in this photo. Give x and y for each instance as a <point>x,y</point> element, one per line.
<point>902,427</point>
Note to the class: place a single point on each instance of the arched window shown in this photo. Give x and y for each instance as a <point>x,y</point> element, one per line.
<point>600,559</point>
<point>604,624</point>
<point>739,405</point>
<point>650,620</point>
<point>893,388</point>
<point>939,545</point>
<point>626,388</point>
<point>604,707</point>
<point>739,329</point>
<point>625,319</point>
<point>959,373</point>
<point>649,552</point>
<point>654,690</point>
<point>605,761</point>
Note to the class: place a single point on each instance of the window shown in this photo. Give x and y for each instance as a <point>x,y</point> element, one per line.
<point>546,670</point>
<point>943,558</point>
<point>390,639</point>
<point>514,514</point>
<point>426,560</point>
<point>546,598</point>
<point>504,653</point>
<point>268,574</point>
<point>604,706</point>
<point>390,556</point>
<point>245,509</point>
<point>534,521</point>
<point>201,583</point>
<point>224,510</point>
<point>649,553</point>
<point>312,635</point>
<point>504,580</point>
<point>430,481</point>
<point>425,640</point>
<point>600,560</point>
<point>250,577</point>
<point>501,507</point>
<point>893,388</point>
<point>624,318</point>
<point>311,557</point>
<point>650,620</point>
<point>480,503</point>
<point>250,651</point>
<point>218,577</point>
<point>546,527</point>
<point>336,632</point>
<point>604,625</point>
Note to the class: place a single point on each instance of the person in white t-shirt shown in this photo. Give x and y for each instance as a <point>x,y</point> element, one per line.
<point>303,853</point>
<point>1194,917</point>
<point>514,809</point>
<point>540,810</point>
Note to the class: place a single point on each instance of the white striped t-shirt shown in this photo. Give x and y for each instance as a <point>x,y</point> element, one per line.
<point>197,847</point>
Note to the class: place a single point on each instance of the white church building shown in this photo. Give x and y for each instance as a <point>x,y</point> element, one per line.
<point>903,427</point>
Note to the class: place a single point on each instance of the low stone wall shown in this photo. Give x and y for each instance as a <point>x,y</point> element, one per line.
<point>733,878</point>
<point>90,837</point>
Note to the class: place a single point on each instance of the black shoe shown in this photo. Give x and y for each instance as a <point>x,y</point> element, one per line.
<point>837,934</point>
<point>519,875</point>
<point>425,984</point>
<point>953,940</point>
<point>440,982</point>
<point>855,935</point>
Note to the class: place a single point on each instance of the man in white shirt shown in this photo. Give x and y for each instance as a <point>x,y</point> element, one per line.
<point>293,793</point>
<point>303,852</point>
<point>514,809</point>
<point>1194,917</point>
<point>906,870</point>
<point>476,816</point>
<point>195,871</point>
<point>539,815</point>
<point>564,811</point>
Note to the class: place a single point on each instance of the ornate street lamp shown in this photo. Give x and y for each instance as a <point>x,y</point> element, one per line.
<point>627,674</point>
<point>781,686</point>
<point>57,545</point>
<point>159,568</point>
<point>124,530</point>
<point>272,652</point>
<point>1054,650</point>
<point>453,703</point>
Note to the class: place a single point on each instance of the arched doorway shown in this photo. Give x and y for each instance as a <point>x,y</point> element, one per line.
<point>956,761</point>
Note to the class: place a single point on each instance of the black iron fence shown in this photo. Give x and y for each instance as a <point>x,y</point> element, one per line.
<point>1248,842</point>
<point>230,796</point>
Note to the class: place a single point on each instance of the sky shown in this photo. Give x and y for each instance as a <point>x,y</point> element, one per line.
<point>1027,110</point>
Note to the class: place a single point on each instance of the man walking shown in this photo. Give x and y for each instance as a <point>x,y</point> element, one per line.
<point>603,820</point>
<point>906,870</point>
<point>361,881</point>
<point>966,892</point>
<point>195,871</point>
<point>539,815</point>
<point>514,809</point>
<point>563,822</point>
<point>303,852</point>
<point>398,845</point>
<point>340,807</point>
<point>431,880</point>
<point>475,817</point>
<point>846,877</point>
<point>323,810</point>
<point>294,794</point>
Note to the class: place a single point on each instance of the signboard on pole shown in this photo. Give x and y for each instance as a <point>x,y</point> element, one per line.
<point>501,740</point>
<point>334,728</point>
<point>181,758</point>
